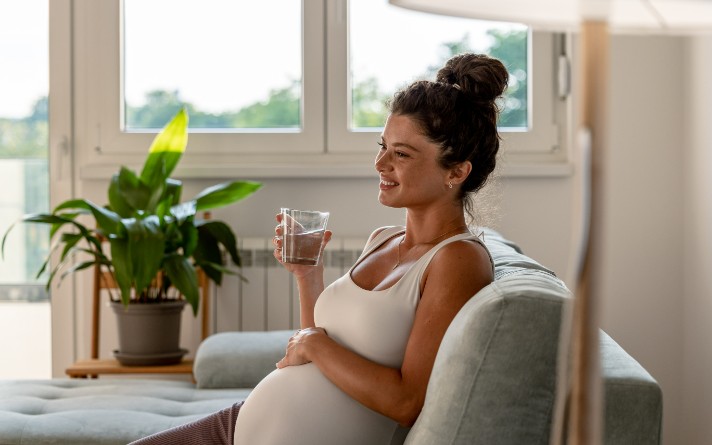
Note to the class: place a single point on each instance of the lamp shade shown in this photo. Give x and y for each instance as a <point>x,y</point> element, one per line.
<point>540,14</point>
<point>622,16</point>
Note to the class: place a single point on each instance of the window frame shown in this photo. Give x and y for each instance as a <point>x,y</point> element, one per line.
<point>540,140</point>
<point>325,147</point>
<point>100,57</point>
<point>62,160</point>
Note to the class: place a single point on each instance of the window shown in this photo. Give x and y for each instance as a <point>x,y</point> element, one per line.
<point>300,93</point>
<point>23,144</point>
<point>24,84</point>
<point>391,47</point>
<point>250,78</point>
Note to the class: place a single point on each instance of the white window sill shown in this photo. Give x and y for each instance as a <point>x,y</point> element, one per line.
<point>306,166</point>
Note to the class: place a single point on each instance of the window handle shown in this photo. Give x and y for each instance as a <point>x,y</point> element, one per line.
<point>63,150</point>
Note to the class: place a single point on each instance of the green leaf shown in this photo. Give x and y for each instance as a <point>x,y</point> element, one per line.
<point>224,235</point>
<point>52,274</point>
<point>45,218</point>
<point>4,238</point>
<point>56,221</point>
<point>156,197</point>
<point>166,150</point>
<point>145,250</point>
<point>68,218</point>
<point>121,260</point>
<point>214,273</point>
<point>208,252</point>
<point>173,190</point>
<point>226,193</point>
<point>184,278</point>
<point>127,193</point>
<point>76,268</point>
<point>190,238</point>
<point>171,197</point>
<point>108,221</point>
<point>223,270</point>
<point>46,263</point>
<point>183,211</point>
<point>61,265</point>
<point>70,240</point>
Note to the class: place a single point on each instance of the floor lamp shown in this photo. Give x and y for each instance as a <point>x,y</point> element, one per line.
<point>594,20</point>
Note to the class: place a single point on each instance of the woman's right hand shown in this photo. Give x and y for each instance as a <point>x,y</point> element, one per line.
<point>298,270</point>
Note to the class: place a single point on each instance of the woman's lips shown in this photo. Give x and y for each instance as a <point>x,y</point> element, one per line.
<point>387,185</point>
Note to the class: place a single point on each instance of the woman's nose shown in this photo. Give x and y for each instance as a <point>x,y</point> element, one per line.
<point>381,160</point>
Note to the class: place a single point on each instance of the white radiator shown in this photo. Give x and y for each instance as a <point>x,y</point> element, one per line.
<point>268,300</point>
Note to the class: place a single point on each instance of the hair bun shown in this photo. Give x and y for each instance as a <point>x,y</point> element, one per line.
<point>481,77</point>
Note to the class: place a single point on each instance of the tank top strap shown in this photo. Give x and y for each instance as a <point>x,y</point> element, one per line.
<point>479,239</point>
<point>383,236</point>
<point>412,277</point>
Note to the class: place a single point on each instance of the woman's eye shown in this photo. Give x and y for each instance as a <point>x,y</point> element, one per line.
<point>382,145</point>
<point>400,154</point>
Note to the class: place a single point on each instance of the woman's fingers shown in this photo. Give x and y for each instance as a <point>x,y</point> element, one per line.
<point>293,355</point>
<point>290,356</point>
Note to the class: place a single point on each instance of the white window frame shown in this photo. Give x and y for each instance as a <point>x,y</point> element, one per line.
<point>61,171</point>
<point>325,147</point>
<point>99,28</point>
<point>539,141</point>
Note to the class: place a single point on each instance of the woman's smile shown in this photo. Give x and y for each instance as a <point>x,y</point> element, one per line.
<point>387,185</point>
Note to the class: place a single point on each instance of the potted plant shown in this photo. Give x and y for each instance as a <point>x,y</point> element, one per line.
<point>156,241</point>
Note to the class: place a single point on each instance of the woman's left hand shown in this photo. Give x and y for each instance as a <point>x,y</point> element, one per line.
<point>296,350</point>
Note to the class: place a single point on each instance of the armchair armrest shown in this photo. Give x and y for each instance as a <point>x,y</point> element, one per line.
<point>238,359</point>
<point>633,398</point>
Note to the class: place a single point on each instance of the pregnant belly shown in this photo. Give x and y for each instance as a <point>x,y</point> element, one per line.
<point>298,405</point>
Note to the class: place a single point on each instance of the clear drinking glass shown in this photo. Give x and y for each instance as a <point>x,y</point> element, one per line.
<point>302,235</point>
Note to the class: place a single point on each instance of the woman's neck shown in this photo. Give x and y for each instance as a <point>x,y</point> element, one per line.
<point>425,228</point>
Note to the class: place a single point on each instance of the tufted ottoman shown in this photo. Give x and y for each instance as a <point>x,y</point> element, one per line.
<point>118,411</point>
<point>101,411</point>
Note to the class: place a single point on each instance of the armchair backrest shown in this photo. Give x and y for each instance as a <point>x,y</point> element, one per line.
<point>494,378</point>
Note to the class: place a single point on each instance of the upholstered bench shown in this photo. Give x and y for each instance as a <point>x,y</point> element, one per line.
<point>104,411</point>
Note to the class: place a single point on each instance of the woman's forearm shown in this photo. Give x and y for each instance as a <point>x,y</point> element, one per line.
<point>309,290</point>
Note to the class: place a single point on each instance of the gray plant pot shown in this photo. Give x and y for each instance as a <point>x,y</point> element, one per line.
<point>149,334</point>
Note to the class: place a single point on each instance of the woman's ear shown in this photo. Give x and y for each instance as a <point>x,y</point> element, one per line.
<point>460,172</point>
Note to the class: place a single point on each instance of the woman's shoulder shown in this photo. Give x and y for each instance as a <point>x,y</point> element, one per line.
<point>457,271</point>
<point>463,257</point>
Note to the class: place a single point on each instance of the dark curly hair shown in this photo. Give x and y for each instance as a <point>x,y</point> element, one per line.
<point>459,112</point>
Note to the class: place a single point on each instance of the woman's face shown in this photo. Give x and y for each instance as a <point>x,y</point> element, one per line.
<point>408,166</point>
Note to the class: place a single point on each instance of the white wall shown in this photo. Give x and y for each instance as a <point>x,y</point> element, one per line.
<point>640,270</point>
<point>697,237</point>
<point>656,285</point>
<point>355,212</point>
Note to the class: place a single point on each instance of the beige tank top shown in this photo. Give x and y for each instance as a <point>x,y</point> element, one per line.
<point>298,405</point>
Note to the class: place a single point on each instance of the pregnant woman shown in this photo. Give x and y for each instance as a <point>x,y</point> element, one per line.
<point>359,366</point>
